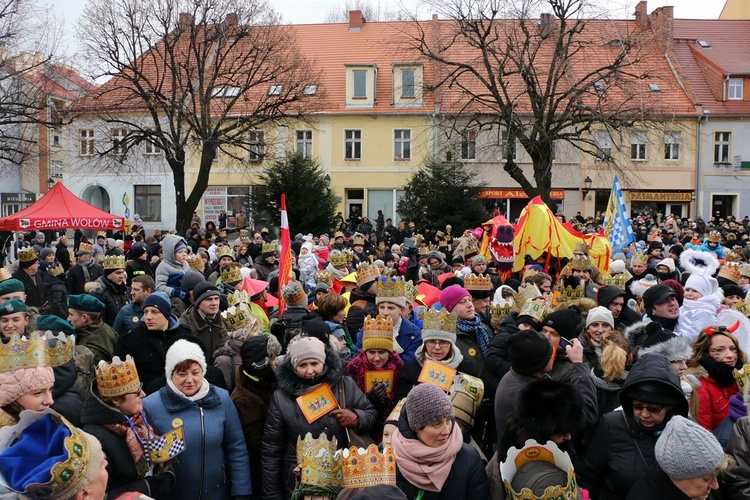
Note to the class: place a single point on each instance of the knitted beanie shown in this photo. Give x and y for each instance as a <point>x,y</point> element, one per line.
<point>191,279</point>
<point>16,383</point>
<point>257,351</point>
<point>600,313</point>
<point>435,334</point>
<point>183,350</point>
<point>377,333</point>
<point>565,322</point>
<point>204,290</point>
<point>427,403</point>
<point>160,301</point>
<point>306,348</point>
<point>450,296</point>
<point>529,352</point>
<point>685,450</point>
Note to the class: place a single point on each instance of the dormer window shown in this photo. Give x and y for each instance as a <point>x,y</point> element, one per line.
<point>407,85</point>
<point>275,89</point>
<point>735,88</point>
<point>360,85</point>
<point>310,90</point>
<point>359,78</point>
<point>225,91</point>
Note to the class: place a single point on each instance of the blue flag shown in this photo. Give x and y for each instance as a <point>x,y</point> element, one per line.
<point>617,224</point>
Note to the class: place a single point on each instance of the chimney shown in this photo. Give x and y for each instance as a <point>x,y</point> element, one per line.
<point>230,21</point>
<point>546,24</point>
<point>186,19</point>
<point>355,20</point>
<point>662,21</point>
<point>641,14</point>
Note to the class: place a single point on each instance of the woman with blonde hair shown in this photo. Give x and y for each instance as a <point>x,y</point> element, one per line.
<point>616,357</point>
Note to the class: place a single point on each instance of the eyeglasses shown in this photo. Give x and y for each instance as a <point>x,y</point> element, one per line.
<point>649,408</point>
<point>433,343</point>
<point>138,392</point>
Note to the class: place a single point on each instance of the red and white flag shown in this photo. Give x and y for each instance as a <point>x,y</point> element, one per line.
<point>285,262</point>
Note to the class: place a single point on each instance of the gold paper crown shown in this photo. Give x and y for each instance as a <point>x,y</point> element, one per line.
<point>534,452</point>
<point>743,306</point>
<point>478,282</point>
<point>195,261</point>
<point>365,468</point>
<point>349,255</point>
<point>5,274</point>
<point>337,259</point>
<point>244,236</point>
<point>411,292</point>
<point>237,317</point>
<point>730,271</point>
<point>338,234</point>
<point>582,247</point>
<point>293,294</point>
<point>358,239</point>
<point>320,461</point>
<point>424,251</point>
<point>471,249</point>
<point>112,262</point>
<point>501,308</point>
<point>231,275</point>
<point>639,258</point>
<point>580,263</point>
<point>55,270</point>
<point>223,233</point>
<point>225,251</point>
<point>734,255</point>
<point>714,237</point>
<point>270,247</point>
<point>569,293</point>
<point>526,292</point>
<point>324,276</point>
<point>37,350</point>
<point>27,254</point>
<point>538,309</point>
<point>744,270</point>
<point>85,247</point>
<point>367,273</point>
<point>741,376</point>
<point>440,320</point>
<point>379,326</point>
<point>101,233</point>
<point>618,280</point>
<point>528,273</point>
<point>390,287</point>
<point>238,297</point>
<point>117,378</point>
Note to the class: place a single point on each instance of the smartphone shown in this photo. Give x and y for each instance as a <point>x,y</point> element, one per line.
<point>564,343</point>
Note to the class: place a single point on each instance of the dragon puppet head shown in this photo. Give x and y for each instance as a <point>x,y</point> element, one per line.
<point>501,245</point>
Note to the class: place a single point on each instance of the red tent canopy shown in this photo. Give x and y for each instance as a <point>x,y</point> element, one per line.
<point>60,209</point>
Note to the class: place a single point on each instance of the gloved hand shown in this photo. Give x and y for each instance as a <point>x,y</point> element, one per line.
<point>175,280</point>
<point>346,418</point>
<point>161,485</point>
<point>377,394</point>
<point>179,292</point>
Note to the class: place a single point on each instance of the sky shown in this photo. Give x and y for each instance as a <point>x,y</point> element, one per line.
<point>314,11</point>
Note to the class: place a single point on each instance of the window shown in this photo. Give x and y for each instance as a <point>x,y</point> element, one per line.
<point>225,91</point>
<point>604,143</point>
<point>722,143</point>
<point>469,145</point>
<point>275,89</point>
<point>117,136</point>
<point>638,145</point>
<point>654,87</point>
<point>55,138</point>
<point>504,147</point>
<point>407,83</point>
<point>310,89</point>
<point>55,169</point>
<point>735,88</point>
<point>148,202</point>
<point>402,144</point>
<point>257,147</point>
<point>304,143</point>
<point>352,144</point>
<point>150,149</point>
<point>672,141</point>
<point>359,77</point>
<point>87,142</point>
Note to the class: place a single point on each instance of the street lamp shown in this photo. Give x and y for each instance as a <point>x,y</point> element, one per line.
<point>50,183</point>
<point>327,178</point>
<point>587,182</point>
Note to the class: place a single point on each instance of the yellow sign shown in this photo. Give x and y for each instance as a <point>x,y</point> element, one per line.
<point>438,374</point>
<point>386,377</point>
<point>660,196</point>
<point>163,448</point>
<point>317,402</point>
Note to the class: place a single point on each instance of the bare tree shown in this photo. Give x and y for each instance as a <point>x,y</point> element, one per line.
<point>191,77</point>
<point>540,78</point>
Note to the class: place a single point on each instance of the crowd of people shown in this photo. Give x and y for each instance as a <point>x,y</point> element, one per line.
<point>395,361</point>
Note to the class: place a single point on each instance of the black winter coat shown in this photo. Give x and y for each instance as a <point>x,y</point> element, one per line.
<point>66,393</point>
<point>123,476</point>
<point>112,299</point>
<point>62,254</point>
<point>657,485</point>
<point>736,482</point>
<point>36,292</point>
<point>496,362</point>
<point>76,279</point>
<point>57,296</point>
<point>355,317</point>
<point>285,422</point>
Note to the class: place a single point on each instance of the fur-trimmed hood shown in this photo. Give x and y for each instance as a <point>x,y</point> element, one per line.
<point>674,349</point>
<point>636,329</point>
<point>585,304</point>
<point>292,384</point>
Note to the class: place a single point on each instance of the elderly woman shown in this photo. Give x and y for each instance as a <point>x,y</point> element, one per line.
<point>214,463</point>
<point>432,459</point>
<point>113,413</point>
<point>308,364</point>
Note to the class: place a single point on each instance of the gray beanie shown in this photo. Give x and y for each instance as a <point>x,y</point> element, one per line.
<point>686,450</point>
<point>427,403</point>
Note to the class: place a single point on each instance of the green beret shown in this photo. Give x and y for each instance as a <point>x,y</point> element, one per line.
<point>86,303</point>
<point>10,286</point>
<point>12,306</point>
<point>54,324</point>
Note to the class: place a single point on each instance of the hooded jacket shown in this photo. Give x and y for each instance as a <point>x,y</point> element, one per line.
<point>80,274</point>
<point>100,338</point>
<point>169,267</point>
<point>621,451</point>
<point>211,331</point>
<point>362,305</point>
<point>106,291</point>
<point>627,316</point>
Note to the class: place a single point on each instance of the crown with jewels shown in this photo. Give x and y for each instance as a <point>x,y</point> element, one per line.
<point>270,247</point>
<point>741,376</point>
<point>538,309</point>
<point>744,270</point>
<point>532,451</point>
<point>367,273</point>
<point>478,282</point>
<point>618,280</point>
<point>730,271</point>
<point>231,275</point>
<point>733,255</point>
<point>743,306</point>
<point>582,247</point>
<point>238,297</point>
<point>55,270</point>
<point>411,292</point>
<point>324,276</point>
<point>36,350</point>
<point>379,326</point>
<point>293,293</point>
<point>358,239</point>
<point>117,378</point>
<point>112,262</point>
<point>526,292</point>
<point>368,467</point>
<point>320,460</point>
<point>195,261</point>
<point>5,274</point>
<point>225,251</point>
<point>337,259</point>
<point>714,236</point>
<point>27,254</point>
<point>471,249</point>
<point>501,308</point>
<point>440,320</point>
<point>568,293</point>
<point>349,255</point>
<point>580,263</point>
<point>244,236</point>
<point>639,258</point>
<point>237,317</point>
<point>86,247</point>
<point>390,287</point>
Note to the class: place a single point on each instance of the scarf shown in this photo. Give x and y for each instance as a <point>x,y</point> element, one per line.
<point>474,327</point>
<point>202,392</point>
<point>396,329</point>
<point>453,361</point>
<point>336,273</point>
<point>424,466</point>
<point>135,448</point>
<point>709,303</point>
<point>120,288</point>
<point>720,372</point>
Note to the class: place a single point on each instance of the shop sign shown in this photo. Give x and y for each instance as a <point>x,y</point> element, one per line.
<point>660,196</point>
<point>555,194</point>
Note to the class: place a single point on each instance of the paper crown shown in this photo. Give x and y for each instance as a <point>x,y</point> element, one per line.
<point>582,247</point>
<point>5,274</point>
<point>390,287</point>
<point>338,234</point>
<point>471,249</point>
<point>473,386</point>
<point>238,297</point>
<point>231,275</point>
<point>223,233</point>
<point>424,251</point>
<point>501,308</point>
<point>103,234</point>
<point>117,378</point>
<point>528,273</point>
<point>244,236</point>
<point>349,255</point>
<point>568,293</point>
<point>112,262</point>
<point>526,292</point>
<point>730,271</point>
<point>733,255</point>
<point>367,273</point>
<point>237,317</point>
<point>195,261</point>
<point>580,263</point>
<point>639,258</point>
<point>478,282</point>
<point>337,259</point>
<point>741,376</point>
<point>368,467</point>
<point>324,276</point>
<point>744,270</point>
<point>55,270</point>
<point>36,350</point>
<point>320,461</point>
<point>270,247</point>
<point>27,254</point>
<point>538,309</point>
<point>293,294</point>
<point>411,292</point>
<point>618,280</point>
<point>377,333</point>
<point>85,247</point>
<point>358,239</point>
<point>714,236</point>
<point>225,251</point>
<point>440,320</point>
<point>535,452</point>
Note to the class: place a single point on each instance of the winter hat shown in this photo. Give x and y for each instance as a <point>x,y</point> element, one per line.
<point>608,293</point>
<point>377,333</point>
<point>318,329</point>
<point>183,350</point>
<point>427,403</point>
<point>293,294</point>
<point>180,245</point>
<point>450,296</point>
<point>306,348</point>
<point>686,450</point>
<point>190,279</point>
<point>665,343</point>
<point>16,383</point>
<point>204,290</point>
<point>46,252</point>
<point>705,285</point>
<point>668,262</point>
<point>657,294</point>
<point>733,289</point>
<point>160,301</point>
<point>137,251</point>
<point>534,403</point>
<point>617,267</point>
<point>600,313</point>
<point>256,354</point>
<point>85,303</point>
<point>322,287</point>
<point>565,322</point>
<point>307,245</point>
<point>477,260</point>
<point>529,352</point>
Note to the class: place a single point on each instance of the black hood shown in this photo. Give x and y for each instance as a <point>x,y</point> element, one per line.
<point>95,411</point>
<point>654,370</point>
<point>607,294</point>
<point>291,383</point>
<point>359,294</point>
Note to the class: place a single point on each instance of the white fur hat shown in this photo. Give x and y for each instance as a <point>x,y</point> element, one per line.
<point>183,350</point>
<point>705,285</point>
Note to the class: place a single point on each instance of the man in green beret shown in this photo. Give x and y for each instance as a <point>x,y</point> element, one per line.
<point>13,318</point>
<point>14,289</point>
<point>85,314</point>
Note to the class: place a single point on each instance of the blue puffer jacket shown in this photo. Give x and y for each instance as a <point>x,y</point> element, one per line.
<point>215,463</point>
